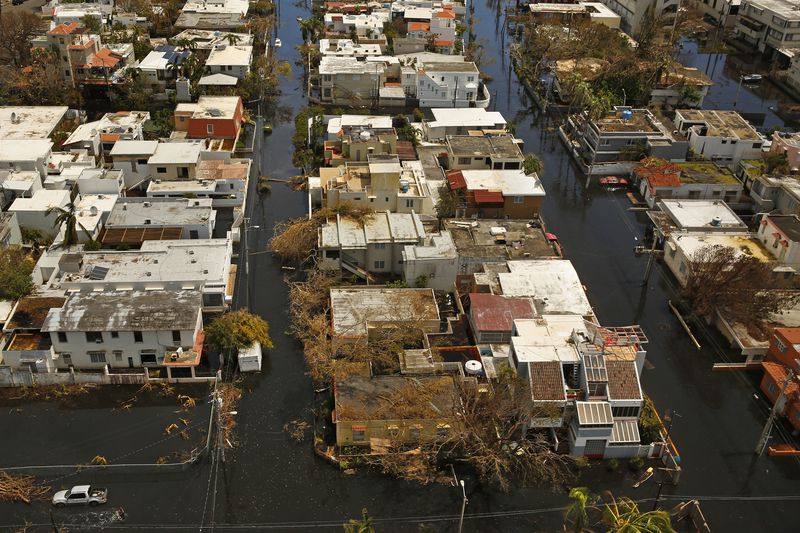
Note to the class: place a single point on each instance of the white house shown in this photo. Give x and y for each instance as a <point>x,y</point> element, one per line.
<point>98,137</point>
<point>32,213</point>
<point>106,181</point>
<point>451,121</point>
<point>128,329</point>
<point>224,181</point>
<point>781,236</point>
<point>27,154</point>
<point>233,60</point>
<point>187,218</point>
<point>443,81</point>
<point>132,157</point>
<point>161,64</point>
<point>721,136</point>
<point>203,265</point>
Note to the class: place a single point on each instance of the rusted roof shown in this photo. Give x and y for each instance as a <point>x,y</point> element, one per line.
<point>547,381</point>
<point>623,381</point>
<point>488,197</point>
<point>445,14</point>
<point>104,58</point>
<point>406,151</point>
<point>456,180</point>
<point>491,312</point>
<point>777,372</point>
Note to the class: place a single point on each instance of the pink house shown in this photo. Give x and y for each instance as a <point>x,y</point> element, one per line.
<point>788,144</point>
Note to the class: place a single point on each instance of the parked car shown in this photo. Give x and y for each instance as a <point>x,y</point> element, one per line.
<point>614,181</point>
<point>81,495</point>
<point>752,78</point>
<point>278,43</point>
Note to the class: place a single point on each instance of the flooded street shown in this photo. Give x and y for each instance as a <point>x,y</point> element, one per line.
<point>271,482</point>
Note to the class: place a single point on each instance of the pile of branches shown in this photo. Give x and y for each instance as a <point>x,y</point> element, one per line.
<point>20,488</point>
<point>296,239</point>
<point>230,395</point>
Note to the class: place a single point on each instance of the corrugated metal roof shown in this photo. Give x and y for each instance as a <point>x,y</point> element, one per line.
<point>488,197</point>
<point>594,413</point>
<point>595,366</point>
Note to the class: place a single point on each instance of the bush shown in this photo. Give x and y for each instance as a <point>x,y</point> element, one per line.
<point>582,462</point>
<point>636,464</point>
<point>612,465</point>
<point>92,246</point>
<point>421,281</point>
<point>649,424</point>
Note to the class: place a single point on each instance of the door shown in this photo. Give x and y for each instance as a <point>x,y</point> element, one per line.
<point>130,362</point>
<point>77,498</point>
<point>193,234</point>
<point>595,448</point>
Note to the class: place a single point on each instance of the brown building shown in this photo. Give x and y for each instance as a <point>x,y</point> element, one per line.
<point>496,193</point>
<point>394,408</point>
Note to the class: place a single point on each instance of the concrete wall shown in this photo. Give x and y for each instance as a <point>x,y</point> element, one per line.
<point>399,430</point>
<point>441,272</point>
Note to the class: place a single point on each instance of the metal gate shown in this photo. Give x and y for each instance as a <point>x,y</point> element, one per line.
<point>595,448</point>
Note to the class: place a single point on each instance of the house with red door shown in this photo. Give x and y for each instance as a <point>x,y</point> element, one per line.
<point>211,117</point>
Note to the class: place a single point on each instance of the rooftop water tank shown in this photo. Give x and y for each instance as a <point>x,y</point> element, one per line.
<point>716,221</point>
<point>627,114</point>
<point>403,185</point>
<point>473,367</point>
<point>365,135</point>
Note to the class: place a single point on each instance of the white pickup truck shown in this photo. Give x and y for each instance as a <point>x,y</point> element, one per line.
<point>80,495</point>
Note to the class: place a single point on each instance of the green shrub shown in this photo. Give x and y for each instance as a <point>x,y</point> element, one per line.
<point>636,464</point>
<point>612,465</point>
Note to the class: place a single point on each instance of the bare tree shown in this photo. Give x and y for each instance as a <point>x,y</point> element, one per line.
<point>740,285</point>
<point>16,30</point>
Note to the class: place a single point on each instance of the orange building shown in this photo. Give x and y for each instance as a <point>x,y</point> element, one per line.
<point>212,117</point>
<point>784,347</point>
<point>771,385</point>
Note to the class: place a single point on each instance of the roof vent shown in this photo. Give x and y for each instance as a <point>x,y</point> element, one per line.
<point>193,261</point>
<point>146,204</point>
<point>716,221</point>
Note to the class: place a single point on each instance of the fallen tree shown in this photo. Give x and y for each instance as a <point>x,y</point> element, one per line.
<point>20,488</point>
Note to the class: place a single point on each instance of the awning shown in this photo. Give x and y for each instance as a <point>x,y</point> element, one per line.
<point>625,431</point>
<point>488,197</point>
<point>594,413</point>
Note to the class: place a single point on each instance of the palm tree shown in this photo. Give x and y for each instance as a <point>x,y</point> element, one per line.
<point>577,518</point>
<point>68,216</point>
<point>622,515</point>
<point>233,39</point>
<point>360,526</point>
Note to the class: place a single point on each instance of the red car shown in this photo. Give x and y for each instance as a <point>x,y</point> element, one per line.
<point>613,180</point>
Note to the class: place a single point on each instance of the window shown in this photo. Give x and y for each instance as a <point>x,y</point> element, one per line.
<point>137,336</point>
<point>161,170</point>
<point>464,160</point>
<point>724,141</point>
<point>97,357</point>
<point>682,268</point>
<point>519,199</point>
<point>94,336</point>
<point>176,336</point>
<point>378,265</point>
<point>115,334</point>
<point>62,336</point>
<point>779,22</point>
<point>210,129</point>
<point>771,388</point>
<point>756,145</point>
<point>625,412</point>
<point>359,433</point>
<point>780,344</point>
<point>442,430</point>
<point>410,204</point>
<point>117,355</point>
<point>380,245</point>
<point>733,141</point>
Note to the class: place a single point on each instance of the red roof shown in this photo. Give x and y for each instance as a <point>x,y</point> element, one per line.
<point>445,14</point>
<point>456,180</point>
<point>792,335</point>
<point>418,26</point>
<point>442,43</point>
<point>663,180</point>
<point>491,312</point>
<point>65,29</point>
<point>488,197</point>
<point>109,137</point>
<point>104,58</point>
<point>777,372</point>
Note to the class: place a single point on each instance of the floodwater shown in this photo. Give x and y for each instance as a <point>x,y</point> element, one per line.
<point>271,482</point>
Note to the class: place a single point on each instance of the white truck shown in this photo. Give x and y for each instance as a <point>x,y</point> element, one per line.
<point>250,358</point>
<point>80,495</point>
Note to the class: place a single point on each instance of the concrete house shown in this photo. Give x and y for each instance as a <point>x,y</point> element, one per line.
<point>222,180</point>
<point>132,158</point>
<point>374,247</point>
<point>160,67</point>
<point>32,212</point>
<point>440,83</point>
<point>689,180</point>
<point>27,347</point>
<point>781,236</point>
<point>721,136</point>
<point>487,151</point>
<point>635,13</point>
<point>204,265</point>
<point>26,155</point>
<point>449,122</point>
<point>361,312</point>
<point>615,143</point>
<point>100,136</point>
<point>355,143</point>
<point>10,234</point>
<point>788,144</point>
<point>768,25</point>
<point>134,220</point>
<point>128,330</point>
<point>496,193</point>
<point>343,81</point>
<point>231,60</point>
<point>174,161</point>
<point>492,317</point>
<point>107,181</point>
<point>365,408</point>
<point>212,117</point>
<point>774,380</point>
<point>35,122</point>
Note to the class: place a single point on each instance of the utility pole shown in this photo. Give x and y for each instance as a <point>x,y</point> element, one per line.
<point>464,500</point>
<point>779,401</point>
<point>739,88</point>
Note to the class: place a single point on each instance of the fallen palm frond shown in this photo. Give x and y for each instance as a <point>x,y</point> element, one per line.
<point>230,395</point>
<point>297,429</point>
<point>99,460</point>
<point>48,392</point>
<point>187,401</point>
<point>169,428</point>
<point>20,488</point>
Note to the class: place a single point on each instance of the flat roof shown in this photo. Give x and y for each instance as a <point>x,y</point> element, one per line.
<point>345,65</point>
<point>503,146</point>
<point>211,107</point>
<point>438,246</point>
<point>206,39</point>
<point>783,8</point>
<point>194,260</point>
<point>554,286</point>
<point>125,147</point>
<point>175,153</point>
<point>354,309</point>
<point>160,212</point>
<point>789,225</point>
<point>30,122</point>
<point>218,79</point>
<point>702,214</point>
<point>182,186</point>
<point>24,149</point>
<point>219,169</point>
<point>381,227</point>
<point>690,243</point>
<point>116,122</point>
<point>126,311</point>
<point>454,66</point>
<point>589,68</point>
<point>31,311</point>
<point>491,312</point>
<point>484,238</point>
<point>41,201</point>
<point>728,124</point>
<point>91,208</point>
<point>641,120</point>
<point>365,398</point>
<point>508,182</point>
<point>226,54</point>
<point>465,117</point>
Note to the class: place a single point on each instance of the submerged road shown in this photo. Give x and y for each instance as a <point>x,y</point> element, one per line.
<point>271,482</point>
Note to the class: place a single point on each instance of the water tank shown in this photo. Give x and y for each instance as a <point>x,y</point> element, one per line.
<point>716,221</point>
<point>473,367</point>
<point>403,185</point>
<point>627,114</point>
<point>365,135</point>
<point>93,210</point>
